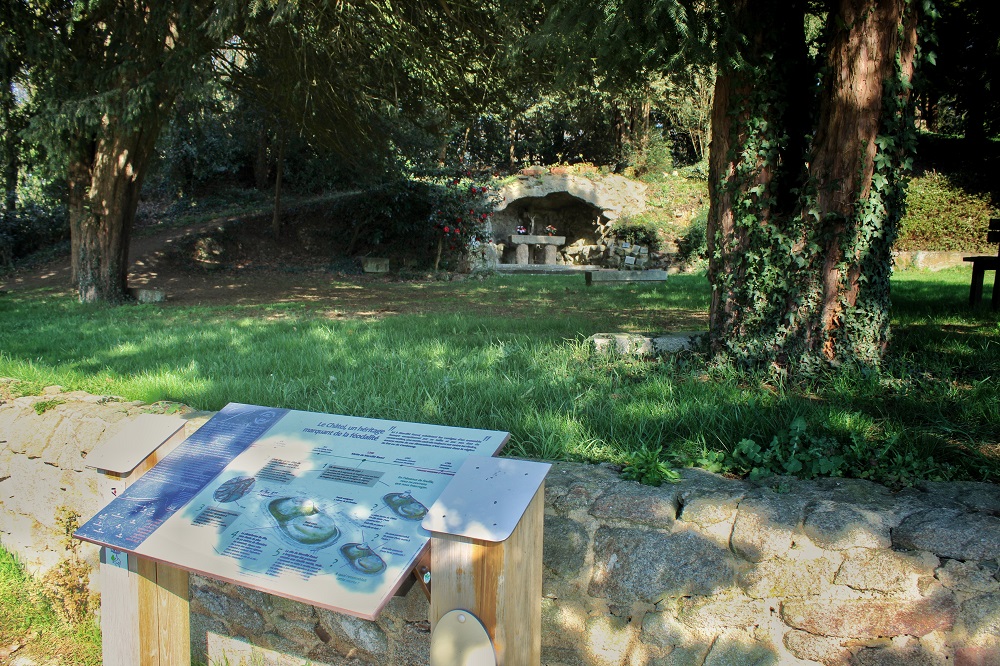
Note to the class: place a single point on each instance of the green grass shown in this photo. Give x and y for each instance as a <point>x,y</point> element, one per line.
<point>510,354</point>
<point>28,621</point>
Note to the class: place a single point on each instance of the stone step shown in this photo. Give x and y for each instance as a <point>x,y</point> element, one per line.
<point>652,275</point>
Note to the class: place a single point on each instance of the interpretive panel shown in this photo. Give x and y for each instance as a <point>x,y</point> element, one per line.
<point>320,508</point>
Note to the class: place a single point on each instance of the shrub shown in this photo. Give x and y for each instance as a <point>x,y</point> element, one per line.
<point>409,217</point>
<point>694,244</point>
<point>941,215</point>
<point>461,213</point>
<point>806,454</point>
<point>639,231</point>
<point>31,228</point>
<point>652,158</point>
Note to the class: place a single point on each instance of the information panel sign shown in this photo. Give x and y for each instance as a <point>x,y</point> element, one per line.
<point>320,508</point>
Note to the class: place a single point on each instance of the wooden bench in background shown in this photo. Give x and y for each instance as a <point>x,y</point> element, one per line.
<point>986,263</point>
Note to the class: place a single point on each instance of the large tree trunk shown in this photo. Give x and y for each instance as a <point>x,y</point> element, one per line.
<point>800,241</point>
<point>860,213</point>
<point>753,164</point>
<point>11,143</point>
<point>105,177</point>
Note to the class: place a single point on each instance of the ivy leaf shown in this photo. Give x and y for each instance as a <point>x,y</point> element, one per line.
<point>879,181</point>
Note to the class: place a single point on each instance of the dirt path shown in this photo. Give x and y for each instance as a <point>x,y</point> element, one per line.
<point>157,261</point>
<point>145,248</point>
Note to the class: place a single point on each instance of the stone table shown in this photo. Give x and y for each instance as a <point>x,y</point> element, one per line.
<point>523,245</point>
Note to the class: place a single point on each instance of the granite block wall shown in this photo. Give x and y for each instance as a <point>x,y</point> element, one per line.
<point>710,570</point>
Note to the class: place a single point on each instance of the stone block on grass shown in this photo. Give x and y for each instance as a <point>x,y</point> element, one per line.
<point>375,265</point>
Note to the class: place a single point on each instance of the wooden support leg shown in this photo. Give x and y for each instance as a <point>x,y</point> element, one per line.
<point>498,582</point>
<point>995,300</point>
<point>976,287</point>
<point>119,608</point>
<point>164,615</point>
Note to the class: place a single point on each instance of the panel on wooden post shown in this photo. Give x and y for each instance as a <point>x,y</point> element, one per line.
<point>121,460</point>
<point>486,553</point>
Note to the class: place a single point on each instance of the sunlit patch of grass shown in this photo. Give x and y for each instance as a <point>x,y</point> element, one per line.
<point>28,621</point>
<point>510,354</point>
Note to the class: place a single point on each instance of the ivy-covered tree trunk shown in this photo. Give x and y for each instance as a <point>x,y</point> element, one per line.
<point>105,178</point>
<point>803,216</point>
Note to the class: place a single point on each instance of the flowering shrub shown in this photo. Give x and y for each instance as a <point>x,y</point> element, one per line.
<point>461,216</point>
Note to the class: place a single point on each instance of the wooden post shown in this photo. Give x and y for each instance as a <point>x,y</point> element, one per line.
<point>164,615</point>
<point>486,554</point>
<point>121,460</point>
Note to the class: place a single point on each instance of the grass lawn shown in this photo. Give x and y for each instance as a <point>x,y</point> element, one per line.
<point>30,628</point>
<point>510,353</point>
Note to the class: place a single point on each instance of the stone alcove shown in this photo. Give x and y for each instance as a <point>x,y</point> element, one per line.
<point>574,205</point>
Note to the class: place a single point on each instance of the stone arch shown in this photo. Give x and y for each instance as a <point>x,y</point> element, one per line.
<point>575,205</point>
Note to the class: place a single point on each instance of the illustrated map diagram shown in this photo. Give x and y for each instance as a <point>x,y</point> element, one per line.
<point>320,508</point>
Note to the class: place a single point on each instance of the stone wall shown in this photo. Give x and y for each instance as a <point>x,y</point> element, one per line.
<point>707,571</point>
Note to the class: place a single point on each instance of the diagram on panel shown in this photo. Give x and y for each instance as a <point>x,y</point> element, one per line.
<point>404,506</point>
<point>304,522</point>
<point>362,558</point>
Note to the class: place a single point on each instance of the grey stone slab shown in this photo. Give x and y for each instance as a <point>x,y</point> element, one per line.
<point>725,613</point>
<point>950,533</point>
<point>789,579</point>
<point>885,570</point>
<point>710,509</point>
<point>239,618</point>
<point>564,548</point>
<point>640,565</point>
<point>571,487</point>
<point>871,618</point>
<point>638,504</point>
<point>766,525</point>
<point>892,655</point>
<point>536,239</point>
<point>811,647</point>
<point>969,577</point>
<point>735,648</point>
<point>648,275</point>
<point>838,526</point>
<point>980,497</point>
<point>980,620</point>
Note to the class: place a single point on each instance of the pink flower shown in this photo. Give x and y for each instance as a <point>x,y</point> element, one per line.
<point>447,229</point>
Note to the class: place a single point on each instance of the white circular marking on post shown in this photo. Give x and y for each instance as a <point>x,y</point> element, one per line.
<point>460,639</point>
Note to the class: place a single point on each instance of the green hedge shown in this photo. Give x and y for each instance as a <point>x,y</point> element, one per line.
<point>941,215</point>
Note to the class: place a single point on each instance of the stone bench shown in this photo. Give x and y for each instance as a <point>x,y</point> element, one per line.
<point>614,275</point>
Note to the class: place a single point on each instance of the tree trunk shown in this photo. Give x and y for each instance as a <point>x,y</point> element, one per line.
<point>11,143</point>
<point>800,240</point>
<point>262,158</point>
<point>105,177</point>
<point>856,233</point>
<point>512,143</point>
<point>279,172</point>
<point>750,168</point>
